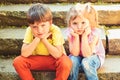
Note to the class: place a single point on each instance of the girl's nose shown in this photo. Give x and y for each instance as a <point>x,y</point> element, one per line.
<point>79,26</point>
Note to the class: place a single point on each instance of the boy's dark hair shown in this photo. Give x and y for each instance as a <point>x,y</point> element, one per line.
<point>39,13</point>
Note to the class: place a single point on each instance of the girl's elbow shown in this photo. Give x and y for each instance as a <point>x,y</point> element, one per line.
<point>87,55</point>
<point>75,53</point>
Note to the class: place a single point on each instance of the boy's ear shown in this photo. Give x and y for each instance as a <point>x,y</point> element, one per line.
<point>50,22</point>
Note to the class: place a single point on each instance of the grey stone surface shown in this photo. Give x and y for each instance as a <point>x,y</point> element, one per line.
<point>43,1</point>
<point>109,71</point>
<point>15,15</point>
<point>55,1</point>
<point>11,41</point>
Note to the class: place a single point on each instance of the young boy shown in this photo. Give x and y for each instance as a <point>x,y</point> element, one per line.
<point>42,47</point>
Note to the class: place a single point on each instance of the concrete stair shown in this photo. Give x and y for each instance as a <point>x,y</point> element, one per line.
<point>13,16</point>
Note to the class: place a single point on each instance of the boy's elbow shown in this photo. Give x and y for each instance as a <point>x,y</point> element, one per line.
<point>58,55</point>
<point>24,54</point>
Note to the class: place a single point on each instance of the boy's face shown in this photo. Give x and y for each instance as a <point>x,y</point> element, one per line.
<point>79,24</point>
<point>39,29</point>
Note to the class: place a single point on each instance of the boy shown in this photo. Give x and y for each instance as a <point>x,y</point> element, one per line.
<point>42,47</point>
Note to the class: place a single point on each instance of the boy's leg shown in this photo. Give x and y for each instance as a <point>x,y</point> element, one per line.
<point>24,65</point>
<point>76,63</point>
<point>90,66</point>
<point>63,67</point>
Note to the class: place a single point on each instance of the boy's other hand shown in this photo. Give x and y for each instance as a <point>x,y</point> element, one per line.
<point>47,35</point>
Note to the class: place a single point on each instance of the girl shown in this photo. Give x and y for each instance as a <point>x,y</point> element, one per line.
<point>86,49</point>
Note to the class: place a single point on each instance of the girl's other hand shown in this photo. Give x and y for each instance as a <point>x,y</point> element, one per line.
<point>87,31</point>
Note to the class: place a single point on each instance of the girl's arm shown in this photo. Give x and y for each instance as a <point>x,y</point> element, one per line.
<point>27,49</point>
<point>88,48</point>
<point>74,45</point>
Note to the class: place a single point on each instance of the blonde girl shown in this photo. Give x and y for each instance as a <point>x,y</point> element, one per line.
<point>86,49</point>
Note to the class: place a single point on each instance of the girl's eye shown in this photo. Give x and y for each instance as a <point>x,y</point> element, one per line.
<point>83,22</point>
<point>74,23</point>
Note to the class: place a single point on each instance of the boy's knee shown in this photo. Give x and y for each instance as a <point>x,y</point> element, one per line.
<point>65,62</point>
<point>17,61</point>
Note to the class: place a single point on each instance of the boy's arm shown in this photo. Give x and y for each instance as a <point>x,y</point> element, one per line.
<point>55,51</point>
<point>27,49</point>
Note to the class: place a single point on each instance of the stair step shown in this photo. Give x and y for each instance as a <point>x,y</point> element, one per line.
<point>109,71</point>
<point>15,15</point>
<point>11,41</point>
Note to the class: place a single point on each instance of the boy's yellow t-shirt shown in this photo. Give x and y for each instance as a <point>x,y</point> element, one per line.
<point>57,39</point>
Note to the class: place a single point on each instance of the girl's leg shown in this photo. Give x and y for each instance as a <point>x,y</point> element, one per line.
<point>24,65</point>
<point>63,67</point>
<point>90,66</point>
<point>76,63</point>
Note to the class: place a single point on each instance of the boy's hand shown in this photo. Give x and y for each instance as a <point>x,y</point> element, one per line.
<point>45,36</point>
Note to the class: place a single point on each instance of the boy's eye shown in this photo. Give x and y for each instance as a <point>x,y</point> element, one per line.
<point>34,26</point>
<point>42,25</point>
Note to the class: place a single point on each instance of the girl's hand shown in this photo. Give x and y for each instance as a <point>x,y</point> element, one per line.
<point>72,32</point>
<point>87,31</point>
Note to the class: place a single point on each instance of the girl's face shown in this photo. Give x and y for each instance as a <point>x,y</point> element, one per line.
<point>79,24</point>
<point>40,28</point>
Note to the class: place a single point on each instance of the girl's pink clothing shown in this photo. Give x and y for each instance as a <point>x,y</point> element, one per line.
<point>99,49</point>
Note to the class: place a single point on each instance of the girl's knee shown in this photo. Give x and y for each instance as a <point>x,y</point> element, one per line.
<point>85,64</point>
<point>75,60</point>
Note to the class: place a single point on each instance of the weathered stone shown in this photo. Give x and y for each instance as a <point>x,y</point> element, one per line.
<point>42,1</point>
<point>13,17</point>
<point>106,72</point>
<point>11,42</point>
<point>108,17</point>
<point>114,46</point>
<point>10,46</point>
<point>110,1</point>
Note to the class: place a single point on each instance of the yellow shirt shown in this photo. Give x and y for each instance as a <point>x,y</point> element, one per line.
<point>57,39</point>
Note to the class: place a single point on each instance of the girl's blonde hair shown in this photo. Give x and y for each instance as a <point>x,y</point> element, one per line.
<point>91,14</point>
<point>86,10</point>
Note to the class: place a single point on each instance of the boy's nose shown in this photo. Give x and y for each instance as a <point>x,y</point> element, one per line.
<point>39,29</point>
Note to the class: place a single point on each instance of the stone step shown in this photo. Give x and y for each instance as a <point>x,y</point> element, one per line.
<point>55,1</point>
<point>109,71</point>
<point>11,41</point>
<point>15,15</point>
